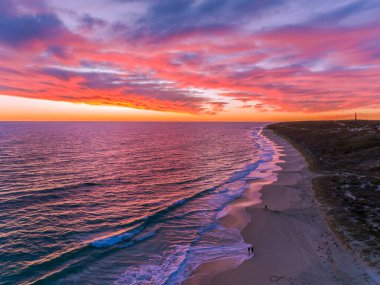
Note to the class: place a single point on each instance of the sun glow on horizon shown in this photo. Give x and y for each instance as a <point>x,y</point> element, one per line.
<point>29,109</point>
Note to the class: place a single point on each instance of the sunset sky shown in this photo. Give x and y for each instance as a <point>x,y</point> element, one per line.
<point>181,60</point>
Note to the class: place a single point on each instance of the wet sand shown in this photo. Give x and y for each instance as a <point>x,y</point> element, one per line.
<point>292,242</point>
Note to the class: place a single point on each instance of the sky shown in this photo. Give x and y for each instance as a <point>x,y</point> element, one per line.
<point>182,60</point>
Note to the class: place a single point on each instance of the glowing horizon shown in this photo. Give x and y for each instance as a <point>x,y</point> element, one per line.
<point>187,60</point>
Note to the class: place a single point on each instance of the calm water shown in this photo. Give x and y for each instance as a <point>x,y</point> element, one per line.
<point>120,203</point>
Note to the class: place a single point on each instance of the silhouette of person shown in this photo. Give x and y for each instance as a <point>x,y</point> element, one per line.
<point>266,207</point>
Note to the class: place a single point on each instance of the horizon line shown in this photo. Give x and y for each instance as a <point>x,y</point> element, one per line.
<point>142,121</point>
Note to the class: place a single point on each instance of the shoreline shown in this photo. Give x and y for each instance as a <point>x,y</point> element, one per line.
<point>292,241</point>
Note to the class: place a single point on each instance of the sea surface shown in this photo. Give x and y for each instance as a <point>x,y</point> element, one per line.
<point>122,203</point>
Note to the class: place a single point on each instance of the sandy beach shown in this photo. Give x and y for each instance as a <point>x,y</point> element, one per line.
<point>292,242</point>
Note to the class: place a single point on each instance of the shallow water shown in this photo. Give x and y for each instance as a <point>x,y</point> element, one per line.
<point>121,203</point>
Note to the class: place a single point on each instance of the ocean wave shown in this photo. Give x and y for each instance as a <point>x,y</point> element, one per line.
<point>111,240</point>
<point>146,236</point>
<point>42,195</point>
<point>86,186</point>
<point>243,173</point>
<point>146,221</point>
<point>187,181</point>
<point>131,236</point>
<point>75,258</point>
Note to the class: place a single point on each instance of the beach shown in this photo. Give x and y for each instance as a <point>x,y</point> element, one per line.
<point>292,242</point>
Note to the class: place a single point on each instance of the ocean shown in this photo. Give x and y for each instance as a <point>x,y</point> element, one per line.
<point>122,203</point>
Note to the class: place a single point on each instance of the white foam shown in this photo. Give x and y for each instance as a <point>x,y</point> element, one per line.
<point>154,273</point>
<point>177,266</point>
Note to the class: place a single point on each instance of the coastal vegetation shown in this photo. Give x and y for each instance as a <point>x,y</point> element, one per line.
<point>345,156</point>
